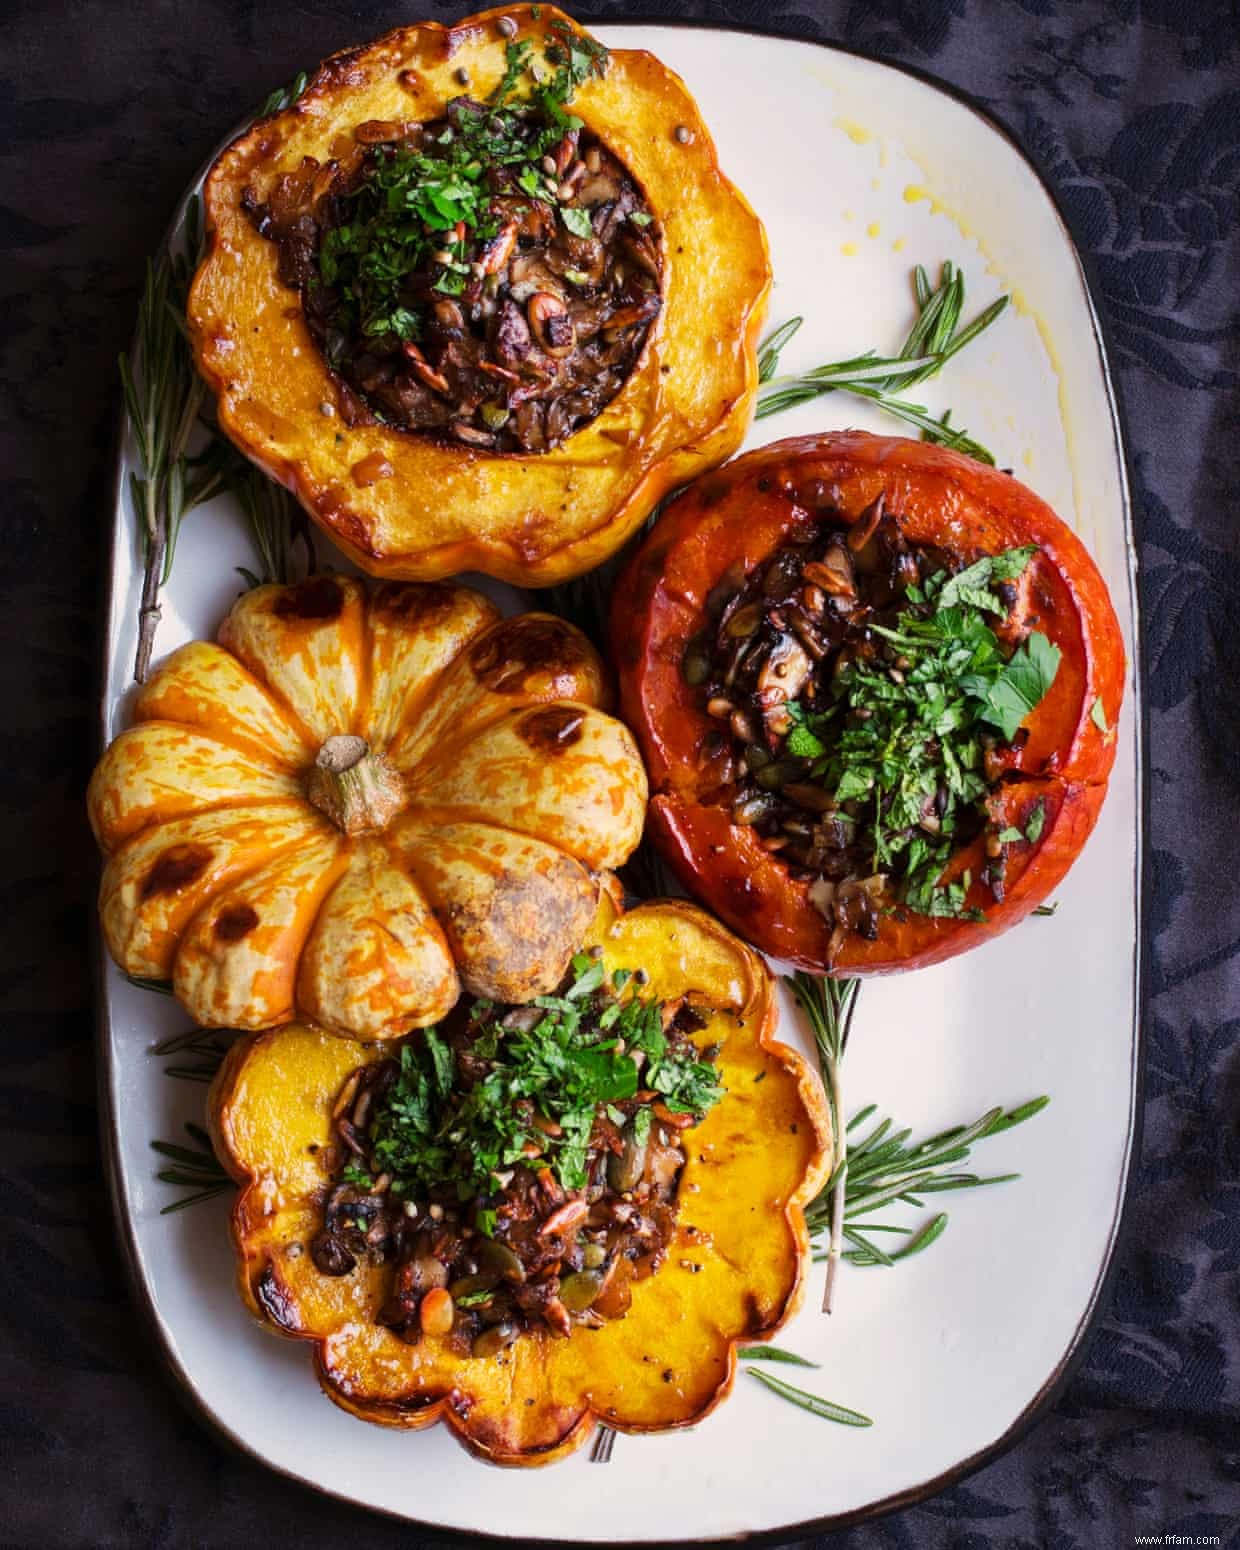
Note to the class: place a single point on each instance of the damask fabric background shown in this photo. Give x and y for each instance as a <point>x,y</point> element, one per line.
<point>1131,108</point>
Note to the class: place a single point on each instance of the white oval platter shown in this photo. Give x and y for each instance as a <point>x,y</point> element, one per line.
<point>859,171</point>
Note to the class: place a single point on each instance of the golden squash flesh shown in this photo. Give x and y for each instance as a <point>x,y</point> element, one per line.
<point>734,1269</point>
<point>358,802</point>
<point>401,505</point>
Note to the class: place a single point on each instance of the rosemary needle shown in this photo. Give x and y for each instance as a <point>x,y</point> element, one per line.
<point>160,987</point>
<point>814,1403</point>
<point>195,1168</point>
<point>773,1353</point>
<point>207,1045</point>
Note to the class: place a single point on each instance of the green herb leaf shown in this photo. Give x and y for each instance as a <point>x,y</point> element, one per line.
<point>577,220</point>
<point>568,1067</point>
<point>802,743</point>
<point>1022,684</point>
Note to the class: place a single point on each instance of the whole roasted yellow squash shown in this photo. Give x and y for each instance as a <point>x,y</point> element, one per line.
<point>404,503</point>
<point>359,801</point>
<point>664,1355</point>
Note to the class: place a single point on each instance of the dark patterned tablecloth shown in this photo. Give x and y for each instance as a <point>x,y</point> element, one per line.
<point>1131,109</point>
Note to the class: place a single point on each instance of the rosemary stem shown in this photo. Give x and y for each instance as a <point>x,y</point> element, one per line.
<point>832,1069</point>
<point>152,575</point>
<point>836,1244</point>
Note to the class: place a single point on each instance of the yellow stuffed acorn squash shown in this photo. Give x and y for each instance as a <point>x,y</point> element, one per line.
<point>663,1357</point>
<point>404,504</point>
<point>359,801</point>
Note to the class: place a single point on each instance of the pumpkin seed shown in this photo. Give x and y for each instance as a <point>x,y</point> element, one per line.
<point>494,1340</point>
<point>499,1257</point>
<point>580,1290</point>
<point>468,1286</point>
<point>695,664</point>
<point>804,794</point>
<point>744,622</point>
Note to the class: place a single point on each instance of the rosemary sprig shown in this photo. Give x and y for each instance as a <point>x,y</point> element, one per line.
<point>163,397</point>
<point>207,1047</point>
<point>829,1005</point>
<point>194,1167</point>
<point>827,1409</point>
<point>935,337</point>
<point>885,1169</point>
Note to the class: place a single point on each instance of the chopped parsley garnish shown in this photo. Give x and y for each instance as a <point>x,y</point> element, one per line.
<point>1032,832</point>
<point>908,746</point>
<point>575,1063</point>
<point>431,205</point>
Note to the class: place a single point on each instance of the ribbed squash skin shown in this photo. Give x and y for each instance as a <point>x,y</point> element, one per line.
<point>529,519</point>
<point>740,514</point>
<point>753,1164</point>
<point>514,789</point>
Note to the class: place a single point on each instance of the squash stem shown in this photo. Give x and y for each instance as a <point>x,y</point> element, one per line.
<point>354,787</point>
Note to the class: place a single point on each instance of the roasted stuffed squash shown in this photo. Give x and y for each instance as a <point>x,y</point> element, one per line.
<point>531,1219</point>
<point>480,297</point>
<point>358,802</point>
<point>876,685</point>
